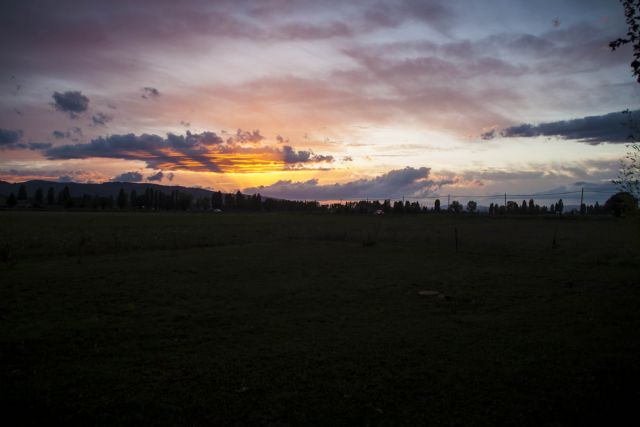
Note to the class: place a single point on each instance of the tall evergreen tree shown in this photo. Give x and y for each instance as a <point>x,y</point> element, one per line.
<point>22,192</point>
<point>216,200</point>
<point>11,200</point>
<point>51,196</point>
<point>39,197</point>
<point>122,199</point>
<point>65,197</point>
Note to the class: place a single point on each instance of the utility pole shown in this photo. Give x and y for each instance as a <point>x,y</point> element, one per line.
<point>581,198</point>
<point>505,201</point>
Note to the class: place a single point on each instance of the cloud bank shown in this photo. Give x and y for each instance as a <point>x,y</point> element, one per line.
<point>614,128</point>
<point>128,177</point>
<point>200,152</point>
<point>10,140</point>
<point>410,182</point>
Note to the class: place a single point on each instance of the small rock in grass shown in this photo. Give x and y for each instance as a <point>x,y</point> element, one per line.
<point>429,293</point>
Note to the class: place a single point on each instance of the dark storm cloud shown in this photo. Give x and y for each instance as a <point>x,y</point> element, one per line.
<point>150,92</point>
<point>128,177</point>
<point>71,102</point>
<point>156,176</point>
<point>33,146</point>
<point>10,140</point>
<point>36,145</point>
<point>9,136</point>
<point>153,149</point>
<point>409,181</point>
<point>101,119</point>
<point>293,156</point>
<point>203,152</point>
<point>609,128</point>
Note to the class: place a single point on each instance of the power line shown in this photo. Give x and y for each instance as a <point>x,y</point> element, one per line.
<point>467,196</point>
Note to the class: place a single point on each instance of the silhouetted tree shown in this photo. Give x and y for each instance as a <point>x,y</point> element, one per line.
<point>532,206</point>
<point>86,201</point>
<point>133,198</point>
<point>203,203</point>
<point>51,196</point>
<point>148,198</point>
<point>229,201</point>
<point>216,200</point>
<point>629,175</point>
<point>22,192</point>
<point>64,197</point>
<point>471,206</point>
<point>436,206</point>
<point>512,207</point>
<point>183,200</point>
<point>621,204</point>
<point>11,200</point>
<point>632,15</point>
<point>240,200</point>
<point>559,207</point>
<point>122,199</point>
<point>256,202</point>
<point>455,207</point>
<point>39,197</point>
<point>523,207</point>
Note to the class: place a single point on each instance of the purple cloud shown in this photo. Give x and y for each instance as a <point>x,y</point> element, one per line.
<point>614,128</point>
<point>128,177</point>
<point>71,102</point>
<point>156,177</point>
<point>413,182</point>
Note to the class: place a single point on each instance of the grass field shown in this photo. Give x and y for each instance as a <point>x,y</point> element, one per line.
<point>205,319</point>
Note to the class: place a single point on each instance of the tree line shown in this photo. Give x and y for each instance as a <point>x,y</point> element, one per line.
<point>455,207</point>
<point>158,200</point>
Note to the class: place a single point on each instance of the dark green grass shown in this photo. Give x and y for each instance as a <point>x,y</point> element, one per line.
<point>303,319</point>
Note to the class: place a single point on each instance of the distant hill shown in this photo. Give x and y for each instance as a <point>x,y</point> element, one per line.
<point>105,189</point>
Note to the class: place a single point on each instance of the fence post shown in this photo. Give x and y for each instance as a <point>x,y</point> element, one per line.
<point>455,234</point>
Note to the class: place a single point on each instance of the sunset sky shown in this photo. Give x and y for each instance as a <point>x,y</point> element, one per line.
<point>317,99</point>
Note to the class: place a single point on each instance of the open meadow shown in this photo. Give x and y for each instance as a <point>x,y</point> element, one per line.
<point>304,319</point>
